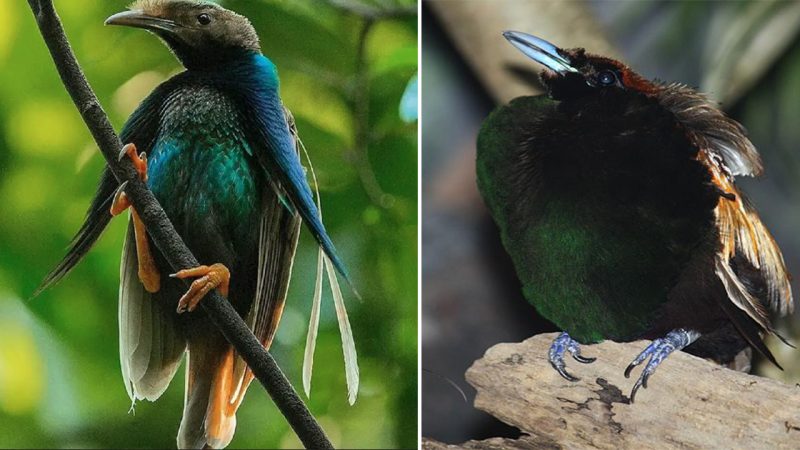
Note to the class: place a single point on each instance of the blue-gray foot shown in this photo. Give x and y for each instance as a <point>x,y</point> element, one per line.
<point>561,344</point>
<point>657,351</point>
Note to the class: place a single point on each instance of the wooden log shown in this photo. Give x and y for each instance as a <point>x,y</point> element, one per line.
<point>523,443</point>
<point>689,403</point>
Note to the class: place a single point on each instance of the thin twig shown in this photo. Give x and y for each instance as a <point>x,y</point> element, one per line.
<point>361,107</point>
<point>164,235</point>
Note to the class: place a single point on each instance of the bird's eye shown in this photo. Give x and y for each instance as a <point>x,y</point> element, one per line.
<point>204,19</point>
<point>606,78</point>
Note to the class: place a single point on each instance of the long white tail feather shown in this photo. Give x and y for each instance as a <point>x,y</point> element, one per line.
<point>125,335</point>
<point>348,345</point>
<point>313,327</point>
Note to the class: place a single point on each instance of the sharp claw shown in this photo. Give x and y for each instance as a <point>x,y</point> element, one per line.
<point>657,351</point>
<point>583,359</point>
<point>120,190</point>
<point>122,186</point>
<point>629,369</point>
<point>118,205</point>
<point>123,152</point>
<point>564,343</point>
<point>563,371</point>
<point>634,390</point>
<point>211,277</point>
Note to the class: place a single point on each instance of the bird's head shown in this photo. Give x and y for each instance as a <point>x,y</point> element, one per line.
<point>201,34</point>
<point>573,73</point>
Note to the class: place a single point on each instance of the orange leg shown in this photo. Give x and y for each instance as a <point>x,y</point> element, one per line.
<point>148,274</point>
<point>215,276</point>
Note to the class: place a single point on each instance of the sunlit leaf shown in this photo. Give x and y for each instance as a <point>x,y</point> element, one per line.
<point>21,368</point>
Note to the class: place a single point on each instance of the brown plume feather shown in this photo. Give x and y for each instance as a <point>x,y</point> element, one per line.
<point>743,234</point>
<point>711,129</point>
<point>727,152</point>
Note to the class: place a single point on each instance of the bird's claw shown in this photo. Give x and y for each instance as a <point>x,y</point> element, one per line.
<point>657,351</point>
<point>561,344</point>
<point>215,276</point>
<point>121,202</point>
<point>139,160</point>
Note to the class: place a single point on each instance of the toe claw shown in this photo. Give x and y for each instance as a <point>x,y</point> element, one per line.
<point>563,372</point>
<point>583,359</point>
<point>564,343</point>
<point>120,202</point>
<point>211,277</point>
<point>139,160</point>
<point>123,151</point>
<point>634,390</point>
<point>656,352</point>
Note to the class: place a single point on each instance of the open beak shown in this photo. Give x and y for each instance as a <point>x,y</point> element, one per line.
<point>138,19</point>
<point>540,51</point>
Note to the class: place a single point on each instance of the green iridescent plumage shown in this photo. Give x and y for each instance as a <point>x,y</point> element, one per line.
<point>586,259</point>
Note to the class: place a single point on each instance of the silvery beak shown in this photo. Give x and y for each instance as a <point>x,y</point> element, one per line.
<point>138,19</point>
<point>540,51</point>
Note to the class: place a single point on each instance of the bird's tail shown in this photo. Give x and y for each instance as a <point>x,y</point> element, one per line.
<point>97,218</point>
<point>213,394</point>
<point>348,344</point>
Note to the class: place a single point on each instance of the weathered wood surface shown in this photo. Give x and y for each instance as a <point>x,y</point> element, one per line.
<point>689,403</point>
<point>523,443</point>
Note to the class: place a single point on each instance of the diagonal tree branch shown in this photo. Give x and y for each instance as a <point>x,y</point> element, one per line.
<point>164,235</point>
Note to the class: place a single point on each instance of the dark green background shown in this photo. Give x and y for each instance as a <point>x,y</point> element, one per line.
<point>60,382</point>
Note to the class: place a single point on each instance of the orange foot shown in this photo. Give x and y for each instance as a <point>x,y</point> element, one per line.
<point>215,276</point>
<point>148,273</point>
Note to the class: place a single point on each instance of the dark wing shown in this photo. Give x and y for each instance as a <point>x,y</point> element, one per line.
<point>140,129</point>
<point>749,262</point>
<point>279,231</point>
<point>281,161</point>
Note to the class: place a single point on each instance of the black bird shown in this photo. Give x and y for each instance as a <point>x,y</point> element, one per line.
<point>615,198</point>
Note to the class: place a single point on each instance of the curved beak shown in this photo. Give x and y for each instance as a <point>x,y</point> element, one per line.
<point>540,51</point>
<point>138,19</point>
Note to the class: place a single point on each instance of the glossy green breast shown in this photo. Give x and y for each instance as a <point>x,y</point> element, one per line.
<point>591,274</point>
<point>595,223</point>
<point>202,170</point>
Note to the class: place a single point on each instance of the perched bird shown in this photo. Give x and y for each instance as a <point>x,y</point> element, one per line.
<point>615,198</point>
<point>221,154</point>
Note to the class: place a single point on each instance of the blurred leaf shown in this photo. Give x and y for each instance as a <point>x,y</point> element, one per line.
<point>751,39</point>
<point>21,374</point>
<point>377,8</point>
<point>319,105</point>
<point>8,28</point>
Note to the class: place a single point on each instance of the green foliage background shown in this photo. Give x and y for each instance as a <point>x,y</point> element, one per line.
<point>60,383</point>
